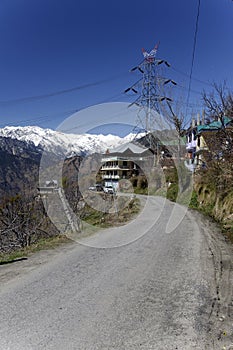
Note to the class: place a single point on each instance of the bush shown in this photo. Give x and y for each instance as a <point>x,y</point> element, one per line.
<point>142,182</point>
<point>194,203</point>
<point>134,181</point>
<point>172,192</point>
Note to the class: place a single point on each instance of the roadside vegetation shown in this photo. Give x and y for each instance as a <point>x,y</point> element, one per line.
<point>23,222</point>
<point>41,244</point>
<point>215,199</point>
<point>213,184</point>
<point>119,210</point>
<point>140,184</point>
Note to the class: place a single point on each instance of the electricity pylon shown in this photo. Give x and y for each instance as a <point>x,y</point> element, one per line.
<point>150,88</point>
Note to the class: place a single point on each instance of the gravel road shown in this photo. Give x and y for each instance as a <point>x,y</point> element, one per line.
<point>160,291</point>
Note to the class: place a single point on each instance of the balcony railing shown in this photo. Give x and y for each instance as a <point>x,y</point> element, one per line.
<point>115,167</point>
<point>115,177</point>
<point>108,167</point>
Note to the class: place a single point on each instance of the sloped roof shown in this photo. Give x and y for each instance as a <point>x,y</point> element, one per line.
<point>129,146</point>
<point>129,150</point>
<point>215,125</point>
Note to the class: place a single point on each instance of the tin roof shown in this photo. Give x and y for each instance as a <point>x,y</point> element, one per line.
<point>129,146</point>
<point>215,125</point>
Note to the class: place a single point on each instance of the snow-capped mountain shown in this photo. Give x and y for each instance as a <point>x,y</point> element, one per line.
<point>61,143</point>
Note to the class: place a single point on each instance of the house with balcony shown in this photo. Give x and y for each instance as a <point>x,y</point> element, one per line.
<point>124,162</point>
<point>200,141</point>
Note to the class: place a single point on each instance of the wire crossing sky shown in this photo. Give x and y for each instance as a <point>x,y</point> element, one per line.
<point>193,54</point>
<point>63,56</point>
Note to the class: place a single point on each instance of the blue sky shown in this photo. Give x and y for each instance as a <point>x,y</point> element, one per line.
<point>51,46</point>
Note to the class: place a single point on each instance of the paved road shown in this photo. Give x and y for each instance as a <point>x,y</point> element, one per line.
<point>160,291</point>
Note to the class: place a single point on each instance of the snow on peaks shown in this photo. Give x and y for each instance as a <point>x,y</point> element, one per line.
<point>62,143</point>
<point>33,134</point>
<point>131,136</point>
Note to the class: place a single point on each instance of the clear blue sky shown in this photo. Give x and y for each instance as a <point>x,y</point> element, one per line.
<point>53,45</point>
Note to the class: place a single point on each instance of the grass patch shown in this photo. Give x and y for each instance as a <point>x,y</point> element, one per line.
<point>207,210</point>
<point>138,190</point>
<point>42,244</point>
<point>172,192</point>
<point>127,209</point>
<point>194,203</point>
<point>161,192</point>
<point>228,232</point>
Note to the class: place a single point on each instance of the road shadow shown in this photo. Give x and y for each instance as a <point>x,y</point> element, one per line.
<point>12,261</point>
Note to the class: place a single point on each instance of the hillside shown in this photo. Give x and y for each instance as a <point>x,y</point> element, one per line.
<point>24,151</point>
<point>19,166</point>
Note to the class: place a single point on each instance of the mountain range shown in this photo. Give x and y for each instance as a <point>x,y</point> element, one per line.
<point>62,144</point>
<point>21,149</point>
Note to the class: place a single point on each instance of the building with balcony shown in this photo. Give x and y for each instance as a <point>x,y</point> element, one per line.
<point>200,138</point>
<point>124,162</point>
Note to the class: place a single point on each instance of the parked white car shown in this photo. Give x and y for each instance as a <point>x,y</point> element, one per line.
<point>96,187</point>
<point>109,189</point>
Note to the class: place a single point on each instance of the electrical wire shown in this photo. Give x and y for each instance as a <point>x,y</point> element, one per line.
<point>111,117</point>
<point>85,86</point>
<point>66,113</point>
<point>194,49</point>
<point>31,120</point>
<point>188,76</point>
<point>60,92</point>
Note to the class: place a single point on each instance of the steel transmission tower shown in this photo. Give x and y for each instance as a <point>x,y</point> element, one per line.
<point>150,89</point>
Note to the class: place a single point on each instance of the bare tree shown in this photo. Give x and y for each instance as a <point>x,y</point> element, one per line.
<point>218,105</point>
<point>219,102</point>
<point>21,220</point>
<point>175,118</point>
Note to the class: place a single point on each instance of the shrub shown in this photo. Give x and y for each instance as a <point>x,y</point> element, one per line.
<point>172,192</point>
<point>194,203</point>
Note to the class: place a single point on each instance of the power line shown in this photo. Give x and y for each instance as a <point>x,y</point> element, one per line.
<point>81,87</point>
<point>31,120</point>
<point>194,49</point>
<point>53,116</point>
<point>188,75</point>
<point>60,92</point>
<point>108,118</point>
<point>189,90</point>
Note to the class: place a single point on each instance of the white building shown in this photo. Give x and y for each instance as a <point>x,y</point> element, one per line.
<point>124,162</point>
